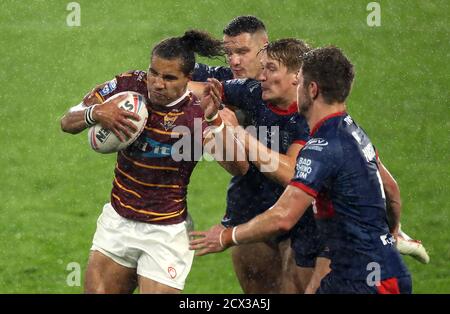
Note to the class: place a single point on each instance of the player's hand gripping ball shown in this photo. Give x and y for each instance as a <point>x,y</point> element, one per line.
<point>104,141</point>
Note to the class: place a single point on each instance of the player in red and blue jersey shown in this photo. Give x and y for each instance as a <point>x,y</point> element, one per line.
<point>275,126</point>
<point>337,170</point>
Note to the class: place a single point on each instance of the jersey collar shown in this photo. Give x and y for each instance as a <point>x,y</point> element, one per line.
<point>176,103</point>
<point>284,112</point>
<point>322,121</point>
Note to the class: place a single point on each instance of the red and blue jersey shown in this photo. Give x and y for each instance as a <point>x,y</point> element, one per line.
<point>253,193</point>
<point>338,167</point>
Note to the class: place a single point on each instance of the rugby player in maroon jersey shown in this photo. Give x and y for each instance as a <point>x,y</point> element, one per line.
<point>141,238</point>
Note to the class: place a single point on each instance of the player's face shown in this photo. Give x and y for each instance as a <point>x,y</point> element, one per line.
<point>277,83</point>
<point>304,100</point>
<point>165,81</point>
<point>241,51</point>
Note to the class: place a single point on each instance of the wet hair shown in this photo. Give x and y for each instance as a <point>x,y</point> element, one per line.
<point>185,47</point>
<point>332,72</point>
<point>244,24</point>
<point>287,51</point>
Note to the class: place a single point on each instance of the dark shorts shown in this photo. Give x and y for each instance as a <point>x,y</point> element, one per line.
<point>333,284</point>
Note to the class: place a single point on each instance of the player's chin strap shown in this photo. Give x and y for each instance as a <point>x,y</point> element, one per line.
<point>177,101</point>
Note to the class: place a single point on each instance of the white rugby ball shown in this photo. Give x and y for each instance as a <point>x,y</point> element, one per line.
<point>104,141</point>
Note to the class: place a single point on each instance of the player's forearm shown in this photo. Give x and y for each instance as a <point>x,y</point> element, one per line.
<point>278,167</point>
<point>393,206</point>
<point>280,218</point>
<point>262,227</point>
<point>81,116</point>
<point>73,122</point>
<point>393,198</point>
<point>229,152</point>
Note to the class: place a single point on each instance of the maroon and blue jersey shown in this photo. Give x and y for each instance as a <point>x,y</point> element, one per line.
<point>202,72</point>
<point>338,167</point>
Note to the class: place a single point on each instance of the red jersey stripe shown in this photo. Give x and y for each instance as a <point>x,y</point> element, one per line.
<point>388,286</point>
<point>304,188</point>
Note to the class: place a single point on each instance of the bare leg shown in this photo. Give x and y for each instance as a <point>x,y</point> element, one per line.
<point>294,279</point>
<point>321,270</point>
<point>103,275</point>
<point>258,267</point>
<point>148,286</point>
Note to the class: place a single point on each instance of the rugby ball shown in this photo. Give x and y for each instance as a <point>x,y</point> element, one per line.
<point>104,141</point>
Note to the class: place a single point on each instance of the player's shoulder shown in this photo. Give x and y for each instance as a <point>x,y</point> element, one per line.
<point>326,142</point>
<point>244,85</point>
<point>202,72</point>
<point>350,133</point>
<point>242,82</point>
<point>137,75</point>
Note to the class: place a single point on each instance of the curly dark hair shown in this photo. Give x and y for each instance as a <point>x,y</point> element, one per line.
<point>185,47</point>
<point>332,72</point>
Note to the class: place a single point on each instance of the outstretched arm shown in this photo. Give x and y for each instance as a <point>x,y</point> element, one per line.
<point>276,166</point>
<point>393,200</point>
<point>219,139</point>
<point>278,219</point>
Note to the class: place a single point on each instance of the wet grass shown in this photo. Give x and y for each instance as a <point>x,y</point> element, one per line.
<point>53,186</point>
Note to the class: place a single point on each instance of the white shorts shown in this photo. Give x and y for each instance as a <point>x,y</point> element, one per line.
<point>158,252</point>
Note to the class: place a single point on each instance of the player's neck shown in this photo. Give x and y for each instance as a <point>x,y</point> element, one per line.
<point>320,110</point>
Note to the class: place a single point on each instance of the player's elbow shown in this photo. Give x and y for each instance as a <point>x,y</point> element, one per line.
<point>283,223</point>
<point>66,127</point>
<point>284,180</point>
<point>241,169</point>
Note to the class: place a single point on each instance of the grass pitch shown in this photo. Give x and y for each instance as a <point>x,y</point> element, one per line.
<point>53,186</point>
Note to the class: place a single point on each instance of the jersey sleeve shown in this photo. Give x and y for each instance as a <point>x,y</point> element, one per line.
<point>128,81</point>
<point>244,94</point>
<point>202,72</point>
<point>316,164</point>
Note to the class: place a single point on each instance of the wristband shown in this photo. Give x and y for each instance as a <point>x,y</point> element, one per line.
<point>88,117</point>
<point>225,239</point>
<point>233,236</point>
<point>215,120</point>
<point>220,237</point>
<point>217,129</point>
